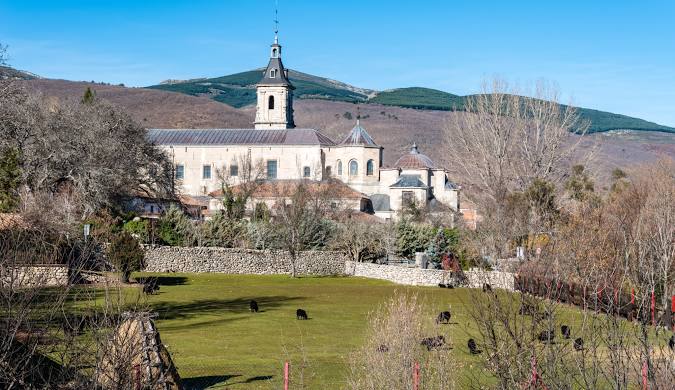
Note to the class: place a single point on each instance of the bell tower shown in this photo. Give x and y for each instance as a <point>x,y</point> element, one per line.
<point>275,94</point>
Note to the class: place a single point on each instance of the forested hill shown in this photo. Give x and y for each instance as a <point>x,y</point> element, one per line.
<point>238,90</point>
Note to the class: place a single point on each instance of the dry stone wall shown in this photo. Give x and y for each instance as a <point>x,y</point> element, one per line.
<point>241,261</point>
<point>34,276</point>
<point>430,277</point>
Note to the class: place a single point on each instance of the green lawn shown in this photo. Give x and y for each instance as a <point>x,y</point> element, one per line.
<point>217,343</point>
<point>214,340</point>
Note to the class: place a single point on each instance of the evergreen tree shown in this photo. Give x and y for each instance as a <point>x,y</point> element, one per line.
<point>126,254</point>
<point>175,228</point>
<point>89,97</point>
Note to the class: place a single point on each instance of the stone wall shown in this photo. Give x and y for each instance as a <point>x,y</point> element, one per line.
<point>429,277</point>
<point>241,261</point>
<point>34,276</point>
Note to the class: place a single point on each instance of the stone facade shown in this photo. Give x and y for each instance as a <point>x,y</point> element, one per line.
<point>34,276</point>
<point>241,261</point>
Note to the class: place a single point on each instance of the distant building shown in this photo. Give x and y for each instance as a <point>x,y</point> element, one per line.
<point>275,150</point>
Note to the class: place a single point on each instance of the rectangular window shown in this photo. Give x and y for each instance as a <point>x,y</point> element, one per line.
<point>407,197</point>
<point>180,172</point>
<point>306,172</point>
<point>206,172</point>
<point>272,169</point>
<point>234,170</point>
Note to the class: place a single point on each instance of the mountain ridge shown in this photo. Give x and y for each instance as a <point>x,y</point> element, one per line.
<point>238,90</point>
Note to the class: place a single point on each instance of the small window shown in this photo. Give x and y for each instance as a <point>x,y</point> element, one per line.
<point>270,103</point>
<point>353,168</point>
<point>206,172</point>
<point>234,170</point>
<point>339,165</point>
<point>329,171</point>
<point>370,167</point>
<point>305,172</point>
<point>180,172</point>
<point>273,73</point>
<point>272,169</point>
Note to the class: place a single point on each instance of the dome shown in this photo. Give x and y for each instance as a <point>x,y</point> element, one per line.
<point>414,160</point>
<point>358,136</point>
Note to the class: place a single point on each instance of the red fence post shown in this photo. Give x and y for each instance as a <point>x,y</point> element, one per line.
<point>286,376</point>
<point>416,376</point>
<point>644,375</point>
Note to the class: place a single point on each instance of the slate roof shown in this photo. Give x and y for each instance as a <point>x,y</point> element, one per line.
<point>358,136</point>
<point>207,137</point>
<point>281,78</point>
<point>414,160</point>
<point>408,181</point>
<point>381,202</point>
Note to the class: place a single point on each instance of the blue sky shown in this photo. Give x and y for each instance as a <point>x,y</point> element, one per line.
<point>616,55</point>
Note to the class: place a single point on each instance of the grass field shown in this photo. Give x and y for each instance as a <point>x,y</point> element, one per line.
<point>215,341</point>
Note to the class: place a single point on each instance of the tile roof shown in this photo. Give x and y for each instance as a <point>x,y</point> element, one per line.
<point>414,160</point>
<point>238,137</point>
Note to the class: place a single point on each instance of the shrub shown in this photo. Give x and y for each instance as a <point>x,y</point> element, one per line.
<point>175,228</point>
<point>223,231</point>
<point>126,254</point>
<point>137,228</point>
<point>412,237</point>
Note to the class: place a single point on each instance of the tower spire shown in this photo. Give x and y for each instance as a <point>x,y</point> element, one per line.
<point>276,22</point>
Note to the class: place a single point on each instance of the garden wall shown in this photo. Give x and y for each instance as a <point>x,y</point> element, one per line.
<point>34,276</point>
<point>241,261</point>
<point>429,277</point>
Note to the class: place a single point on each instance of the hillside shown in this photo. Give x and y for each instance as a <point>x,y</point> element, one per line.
<point>238,90</point>
<point>7,73</point>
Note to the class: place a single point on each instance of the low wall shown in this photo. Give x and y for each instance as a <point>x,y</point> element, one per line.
<point>241,261</point>
<point>402,275</point>
<point>34,276</point>
<point>430,277</point>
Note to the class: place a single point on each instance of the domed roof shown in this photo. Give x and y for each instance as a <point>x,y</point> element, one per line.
<point>358,136</point>
<point>414,160</point>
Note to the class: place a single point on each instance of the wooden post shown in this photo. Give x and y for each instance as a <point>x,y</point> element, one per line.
<point>644,376</point>
<point>286,376</point>
<point>137,374</point>
<point>416,376</point>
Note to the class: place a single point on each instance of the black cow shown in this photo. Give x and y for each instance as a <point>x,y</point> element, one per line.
<point>441,285</point>
<point>382,348</point>
<point>253,305</point>
<point>547,336</point>
<point>579,344</point>
<point>473,348</point>
<point>565,331</point>
<point>671,342</point>
<point>150,286</point>
<point>487,287</point>
<point>301,314</point>
<point>433,342</point>
<point>443,317</point>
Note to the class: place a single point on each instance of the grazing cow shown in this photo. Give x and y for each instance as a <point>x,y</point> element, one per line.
<point>301,314</point>
<point>547,336</point>
<point>473,348</point>
<point>382,348</point>
<point>433,342</point>
<point>253,305</point>
<point>443,317</point>
<point>565,331</point>
<point>441,285</point>
<point>487,287</point>
<point>579,344</point>
<point>150,286</point>
<point>671,342</point>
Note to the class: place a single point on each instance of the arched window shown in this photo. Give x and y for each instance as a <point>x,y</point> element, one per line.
<point>353,168</point>
<point>270,103</point>
<point>305,172</point>
<point>369,168</point>
<point>339,165</point>
<point>274,53</point>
